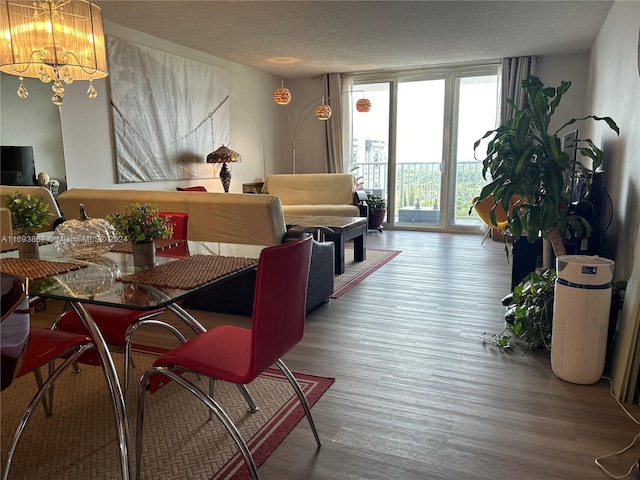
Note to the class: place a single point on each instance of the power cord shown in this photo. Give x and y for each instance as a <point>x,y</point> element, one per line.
<point>637,464</point>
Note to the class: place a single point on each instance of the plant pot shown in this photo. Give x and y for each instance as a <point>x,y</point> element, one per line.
<point>27,245</point>
<point>376,217</point>
<point>144,255</point>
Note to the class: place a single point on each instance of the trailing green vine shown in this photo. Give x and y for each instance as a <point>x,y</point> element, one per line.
<point>529,313</point>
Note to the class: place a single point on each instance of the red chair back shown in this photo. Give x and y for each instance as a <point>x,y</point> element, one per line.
<point>179,220</point>
<point>14,327</point>
<point>280,299</point>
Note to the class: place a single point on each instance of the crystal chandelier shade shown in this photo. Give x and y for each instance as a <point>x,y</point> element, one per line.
<point>53,40</point>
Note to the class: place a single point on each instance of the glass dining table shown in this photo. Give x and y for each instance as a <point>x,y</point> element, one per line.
<point>180,270</point>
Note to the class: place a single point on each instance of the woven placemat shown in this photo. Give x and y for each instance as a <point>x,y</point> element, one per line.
<point>33,268</point>
<point>190,272</point>
<point>160,244</point>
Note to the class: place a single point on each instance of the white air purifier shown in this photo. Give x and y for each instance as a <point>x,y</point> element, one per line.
<point>581,306</point>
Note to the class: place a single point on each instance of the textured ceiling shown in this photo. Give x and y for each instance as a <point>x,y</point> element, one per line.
<point>294,39</point>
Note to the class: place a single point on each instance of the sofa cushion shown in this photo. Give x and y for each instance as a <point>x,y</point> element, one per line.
<point>311,188</point>
<point>322,210</point>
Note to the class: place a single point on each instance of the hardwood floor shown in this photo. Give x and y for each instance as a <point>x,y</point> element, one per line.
<point>418,395</point>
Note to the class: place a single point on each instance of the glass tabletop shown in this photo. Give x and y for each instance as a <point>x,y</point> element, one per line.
<point>112,280</point>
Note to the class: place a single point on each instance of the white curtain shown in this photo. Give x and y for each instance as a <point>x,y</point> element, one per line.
<point>514,70</point>
<point>347,122</point>
<point>334,127</point>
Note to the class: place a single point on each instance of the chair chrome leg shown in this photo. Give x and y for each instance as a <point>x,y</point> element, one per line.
<point>46,406</point>
<point>36,399</point>
<point>142,390</point>
<point>212,384</point>
<point>253,408</point>
<point>303,400</point>
<point>52,368</point>
<point>204,398</point>
<point>128,360</point>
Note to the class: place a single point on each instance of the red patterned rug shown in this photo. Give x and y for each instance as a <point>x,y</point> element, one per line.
<point>78,441</point>
<point>355,272</point>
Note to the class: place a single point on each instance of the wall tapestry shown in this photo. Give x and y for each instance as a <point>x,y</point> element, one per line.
<point>168,113</point>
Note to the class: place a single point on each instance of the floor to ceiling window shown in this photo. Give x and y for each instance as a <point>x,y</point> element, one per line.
<point>415,146</point>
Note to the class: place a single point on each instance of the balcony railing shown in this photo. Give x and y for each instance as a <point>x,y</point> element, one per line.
<point>418,185</point>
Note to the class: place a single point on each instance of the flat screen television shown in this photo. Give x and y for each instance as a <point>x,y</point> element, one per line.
<point>17,166</point>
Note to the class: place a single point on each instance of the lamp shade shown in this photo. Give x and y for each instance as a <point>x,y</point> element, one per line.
<point>323,112</point>
<point>363,105</point>
<point>282,96</point>
<point>59,40</point>
<point>223,155</point>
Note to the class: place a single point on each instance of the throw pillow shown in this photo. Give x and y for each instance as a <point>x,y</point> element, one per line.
<point>197,188</point>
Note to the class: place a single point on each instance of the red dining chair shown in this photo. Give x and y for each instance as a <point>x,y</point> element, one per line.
<point>118,325</point>
<point>238,355</point>
<point>179,222</point>
<point>25,350</point>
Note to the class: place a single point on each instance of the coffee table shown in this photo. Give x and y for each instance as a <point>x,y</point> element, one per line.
<point>344,228</point>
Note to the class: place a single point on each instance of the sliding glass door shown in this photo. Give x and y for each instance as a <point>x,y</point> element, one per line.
<point>415,146</point>
<point>419,152</point>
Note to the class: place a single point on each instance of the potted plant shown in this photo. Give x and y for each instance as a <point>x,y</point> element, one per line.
<point>377,211</point>
<point>141,224</point>
<point>28,214</point>
<point>523,159</point>
<point>529,312</point>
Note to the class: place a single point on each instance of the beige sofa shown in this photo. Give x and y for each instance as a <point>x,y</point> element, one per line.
<point>215,217</point>
<point>322,194</point>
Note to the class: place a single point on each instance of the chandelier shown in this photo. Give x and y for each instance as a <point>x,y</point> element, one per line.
<point>53,40</point>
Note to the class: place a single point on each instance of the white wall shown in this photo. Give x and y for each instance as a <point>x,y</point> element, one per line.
<point>614,90</point>
<point>33,121</point>
<point>552,71</point>
<point>254,124</point>
<point>310,138</point>
<point>87,157</point>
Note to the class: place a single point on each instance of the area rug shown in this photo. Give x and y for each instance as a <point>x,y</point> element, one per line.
<point>78,441</point>
<point>355,272</point>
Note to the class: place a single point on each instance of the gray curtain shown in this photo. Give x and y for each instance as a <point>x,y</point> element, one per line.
<point>514,70</point>
<point>334,126</point>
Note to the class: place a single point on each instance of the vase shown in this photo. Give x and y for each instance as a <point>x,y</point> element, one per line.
<point>144,255</point>
<point>27,245</point>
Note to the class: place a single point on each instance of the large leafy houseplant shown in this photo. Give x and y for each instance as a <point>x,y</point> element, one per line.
<point>523,159</point>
